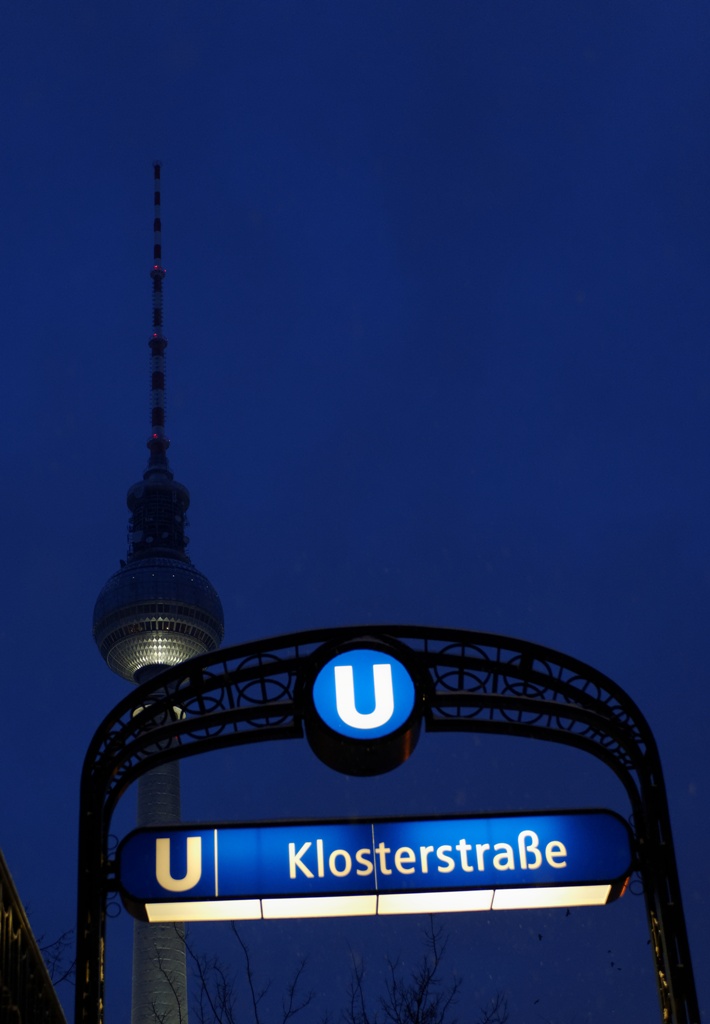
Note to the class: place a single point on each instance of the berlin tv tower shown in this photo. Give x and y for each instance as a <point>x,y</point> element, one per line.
<point>157,611</point>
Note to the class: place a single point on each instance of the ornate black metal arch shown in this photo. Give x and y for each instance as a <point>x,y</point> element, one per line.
<point>478,682</point>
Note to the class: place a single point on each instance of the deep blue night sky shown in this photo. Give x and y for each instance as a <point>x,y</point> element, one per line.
<point>437,309</point>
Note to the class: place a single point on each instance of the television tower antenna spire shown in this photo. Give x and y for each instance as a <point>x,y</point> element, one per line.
<point>158,442</point>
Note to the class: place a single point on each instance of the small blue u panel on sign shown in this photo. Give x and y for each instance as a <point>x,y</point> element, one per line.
<point>364,694</point>
<point>176,862</point>
<point>363,714</point>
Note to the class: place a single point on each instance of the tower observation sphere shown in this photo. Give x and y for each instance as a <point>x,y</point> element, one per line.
<point>158,609</point>
<point>156,613</point>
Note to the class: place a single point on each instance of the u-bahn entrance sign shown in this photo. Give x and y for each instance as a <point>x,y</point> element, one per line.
<point>345,868</point>
<point>362,696</point>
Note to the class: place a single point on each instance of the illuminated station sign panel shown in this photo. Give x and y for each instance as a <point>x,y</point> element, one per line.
<point>362,709</point>
<point>330,869</point>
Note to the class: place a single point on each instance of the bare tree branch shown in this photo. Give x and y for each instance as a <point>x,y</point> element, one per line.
<point>291,1006</point>
<point>214,1006</point>
<point>161,1018</point>
<point>256,996</point>
<point>356,1013</point>
<point>497,1013</point>
<point>421,996</point>
<point>56,956</point>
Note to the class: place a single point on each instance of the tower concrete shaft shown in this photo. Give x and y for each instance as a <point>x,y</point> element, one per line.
<point>157,611</point>
<point>159,975</point>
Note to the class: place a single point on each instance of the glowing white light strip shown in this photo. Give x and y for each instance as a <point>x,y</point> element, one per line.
<point>320,906</point>
<point>434,902</point>
<point>385,904</point>
<point>561,896</point>
<point>205,910</point>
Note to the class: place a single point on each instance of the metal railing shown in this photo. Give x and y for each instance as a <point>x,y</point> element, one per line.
<point>26,992</point>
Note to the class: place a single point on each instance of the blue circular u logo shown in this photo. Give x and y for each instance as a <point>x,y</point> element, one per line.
<point>364,694</point>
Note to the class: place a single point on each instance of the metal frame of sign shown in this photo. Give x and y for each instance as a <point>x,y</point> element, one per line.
<point>474,682</point>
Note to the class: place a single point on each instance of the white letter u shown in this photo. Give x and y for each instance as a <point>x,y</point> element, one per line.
<point>193,872</point>
<point>345,697</point>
